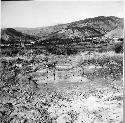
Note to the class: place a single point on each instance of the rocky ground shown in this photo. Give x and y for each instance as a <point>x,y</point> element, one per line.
<point>89,103</point>
<point>68,97</point>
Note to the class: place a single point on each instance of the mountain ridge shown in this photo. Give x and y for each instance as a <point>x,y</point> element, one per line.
<point>74,35</point>
<point>100,24</point>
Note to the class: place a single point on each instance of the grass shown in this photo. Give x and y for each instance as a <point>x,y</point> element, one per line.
<point>24,99</point>
<point>106,64</point>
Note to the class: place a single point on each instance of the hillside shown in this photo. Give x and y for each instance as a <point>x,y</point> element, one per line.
<point>66,38</point>
<point>83,28</point>
<point>115,33</point>
<point>10,36</point>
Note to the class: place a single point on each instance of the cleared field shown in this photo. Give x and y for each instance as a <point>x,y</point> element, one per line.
<point>82,88</point>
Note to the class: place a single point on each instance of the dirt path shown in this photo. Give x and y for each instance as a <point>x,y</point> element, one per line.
<point>88,104</point>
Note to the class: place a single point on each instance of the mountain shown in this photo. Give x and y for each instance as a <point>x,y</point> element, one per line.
<point>69,37</point>
<point>84,28</point>
<point>118,32</point>
<point>13,37</point>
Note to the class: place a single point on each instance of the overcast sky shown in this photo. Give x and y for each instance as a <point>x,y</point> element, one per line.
<point>45,13</point>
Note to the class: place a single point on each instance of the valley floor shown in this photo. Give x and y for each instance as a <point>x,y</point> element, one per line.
<point>68,97</point>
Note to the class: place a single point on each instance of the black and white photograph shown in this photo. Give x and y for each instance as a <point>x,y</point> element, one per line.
<point>62,61</point>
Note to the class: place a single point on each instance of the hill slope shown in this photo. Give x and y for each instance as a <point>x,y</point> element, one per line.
<point>115,33</point>
<point>69,38</point>
<point>13,37</point>
<point>89,27</point>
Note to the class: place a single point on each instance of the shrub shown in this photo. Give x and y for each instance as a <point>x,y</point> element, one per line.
<point>118,48</point>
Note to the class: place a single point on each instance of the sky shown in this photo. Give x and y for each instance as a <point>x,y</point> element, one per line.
<point>32,14</point>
